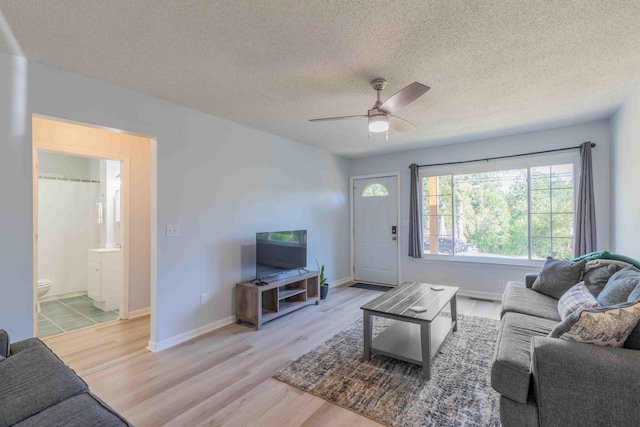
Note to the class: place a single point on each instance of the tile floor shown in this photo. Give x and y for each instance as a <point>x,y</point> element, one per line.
<point>68,314</point>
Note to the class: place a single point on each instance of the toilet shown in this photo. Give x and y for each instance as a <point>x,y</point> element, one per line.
<point>43,287</point>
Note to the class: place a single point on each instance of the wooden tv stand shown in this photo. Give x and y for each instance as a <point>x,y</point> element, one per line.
<point>260,303</point>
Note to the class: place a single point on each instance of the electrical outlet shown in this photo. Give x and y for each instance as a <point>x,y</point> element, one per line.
<point>203,299</point>
<point>173,230</point>
<point>501,284</point>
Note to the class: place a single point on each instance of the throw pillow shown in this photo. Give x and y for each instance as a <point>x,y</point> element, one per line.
<point>619,286</point>
<point>634,296</point>
<point>557,276</point>
<point>576,298</point>
<point>596,279</point>
<point>603,326</point>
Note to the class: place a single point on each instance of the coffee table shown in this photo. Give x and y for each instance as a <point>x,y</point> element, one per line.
<point>415,337</point>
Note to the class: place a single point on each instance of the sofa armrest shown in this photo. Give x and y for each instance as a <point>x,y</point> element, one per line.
<point>19,346</point>
<point>4,343</point>
<point>574,381</point>
<point>529,278</point>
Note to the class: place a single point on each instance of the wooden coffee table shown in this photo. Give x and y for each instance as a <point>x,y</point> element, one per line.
<point>416,337</point>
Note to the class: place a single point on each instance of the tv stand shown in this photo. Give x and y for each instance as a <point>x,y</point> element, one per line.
<point>256,303</point>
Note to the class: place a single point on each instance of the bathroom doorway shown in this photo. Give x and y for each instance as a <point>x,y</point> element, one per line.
<point>80,267</point>
<point>136,155</point>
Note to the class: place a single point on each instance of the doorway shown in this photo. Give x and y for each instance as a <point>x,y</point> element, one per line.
<point>135,154</point>
<point>376,234</point>
<point>80,265</point>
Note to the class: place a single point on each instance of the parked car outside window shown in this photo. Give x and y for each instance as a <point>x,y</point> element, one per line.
<point>445,245</point>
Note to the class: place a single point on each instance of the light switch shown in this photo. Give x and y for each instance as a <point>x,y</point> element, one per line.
<point>173,230</point>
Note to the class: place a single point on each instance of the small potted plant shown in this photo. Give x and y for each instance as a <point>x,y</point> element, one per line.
<point>324,286</point>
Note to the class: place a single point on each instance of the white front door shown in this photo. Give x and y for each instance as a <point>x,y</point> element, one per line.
<point>375,220</point>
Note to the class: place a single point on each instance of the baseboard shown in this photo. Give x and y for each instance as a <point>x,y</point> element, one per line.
<point>480,295</point>
<point>140,312</point>
<point>63,296</point>
<point>339,282</point>
<point>186,336</point>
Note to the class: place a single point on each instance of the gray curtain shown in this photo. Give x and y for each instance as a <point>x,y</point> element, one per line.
<point>585,219</point>
<point>415,214</point>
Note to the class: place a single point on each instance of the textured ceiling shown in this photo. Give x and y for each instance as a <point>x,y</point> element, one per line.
<point>494,67</point>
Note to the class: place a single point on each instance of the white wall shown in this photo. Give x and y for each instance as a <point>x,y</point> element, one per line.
<point>221,182</point>
<point>625,176</point>
<point>110,230</point>
<point>478,277</point>
<point>16,224</point>
<point>70,166</point>
<point>67,228</point>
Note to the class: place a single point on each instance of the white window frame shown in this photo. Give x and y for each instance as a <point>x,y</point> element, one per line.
<point>572,156</point>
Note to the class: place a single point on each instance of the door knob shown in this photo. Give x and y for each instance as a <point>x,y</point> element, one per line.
<point>393,237</point>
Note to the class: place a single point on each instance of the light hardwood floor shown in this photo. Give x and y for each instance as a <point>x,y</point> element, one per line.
<point>222,378</point>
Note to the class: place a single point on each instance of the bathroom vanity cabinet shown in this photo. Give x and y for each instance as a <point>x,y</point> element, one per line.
<point>105,278</point>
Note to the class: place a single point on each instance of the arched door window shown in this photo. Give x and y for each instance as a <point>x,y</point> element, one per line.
<point>375,190</point>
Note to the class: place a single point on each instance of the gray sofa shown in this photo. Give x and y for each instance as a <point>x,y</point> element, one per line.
<point>37,389</point>
<point>554,382</point>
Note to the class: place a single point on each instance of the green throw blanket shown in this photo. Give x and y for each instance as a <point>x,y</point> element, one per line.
<point>607,255</point>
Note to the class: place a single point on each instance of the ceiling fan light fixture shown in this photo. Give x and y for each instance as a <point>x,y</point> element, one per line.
<point>378,123</point>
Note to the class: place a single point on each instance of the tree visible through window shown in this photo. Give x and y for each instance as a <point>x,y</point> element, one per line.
<point>519,213</point>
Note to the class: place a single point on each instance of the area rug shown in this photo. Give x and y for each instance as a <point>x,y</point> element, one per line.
<point>371,287</point>
<point>393,392</point>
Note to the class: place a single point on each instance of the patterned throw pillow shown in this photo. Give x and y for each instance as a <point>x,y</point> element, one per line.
<point>576,298</point>
<point>604,326</point>
<point>557,276</point>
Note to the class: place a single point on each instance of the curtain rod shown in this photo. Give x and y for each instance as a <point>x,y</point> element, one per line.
<point>505,157</point>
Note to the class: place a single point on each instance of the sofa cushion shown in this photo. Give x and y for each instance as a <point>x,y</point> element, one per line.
<point>557,276</point>
<point>576,298</point>
<point>516,414</point>
<point>604,326</point>
<point>511,370</point>
<point>633,340</point>
<point>596,278</point>
<point>620,286</point>
<point>519,299</point>
<point>33,380</point>
<point>77,411</point>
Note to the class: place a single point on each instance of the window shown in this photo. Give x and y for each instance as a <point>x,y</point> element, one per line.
<point>375,190</point>
<point>520,213</point>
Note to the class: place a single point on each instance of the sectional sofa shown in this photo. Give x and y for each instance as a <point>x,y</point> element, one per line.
<point>552,371</point>
<point>37,389</point>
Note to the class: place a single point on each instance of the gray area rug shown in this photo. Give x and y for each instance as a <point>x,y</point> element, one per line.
<point>393,392</point>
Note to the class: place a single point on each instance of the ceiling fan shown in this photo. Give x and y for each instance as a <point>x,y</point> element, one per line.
<point>381,116</point>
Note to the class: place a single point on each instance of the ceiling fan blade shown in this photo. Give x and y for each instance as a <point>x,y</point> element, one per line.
<point>404,96</point>
<point>326,119</point>
<point>399,124</point>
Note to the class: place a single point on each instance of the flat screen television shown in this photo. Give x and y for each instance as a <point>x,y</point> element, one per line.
<point>280,251</point>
